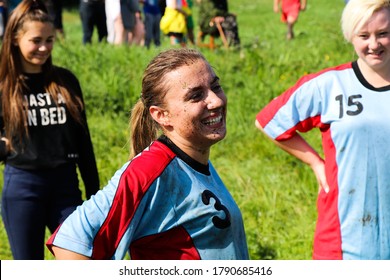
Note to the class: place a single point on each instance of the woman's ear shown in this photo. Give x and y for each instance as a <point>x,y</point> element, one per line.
<point>160,115</point>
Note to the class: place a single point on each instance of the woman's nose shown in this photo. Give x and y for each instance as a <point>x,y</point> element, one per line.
<point>215,100</point>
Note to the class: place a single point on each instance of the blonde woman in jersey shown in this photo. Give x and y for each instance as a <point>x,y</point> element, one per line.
<point>349,104</point>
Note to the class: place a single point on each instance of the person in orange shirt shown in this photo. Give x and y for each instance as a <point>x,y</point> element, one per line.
<point>289,13</point>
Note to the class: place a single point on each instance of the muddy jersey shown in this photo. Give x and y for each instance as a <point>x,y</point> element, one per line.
<point>354,119</point>
<point>158,206</point>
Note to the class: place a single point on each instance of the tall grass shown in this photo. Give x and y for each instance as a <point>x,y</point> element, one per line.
<point>276,193</point>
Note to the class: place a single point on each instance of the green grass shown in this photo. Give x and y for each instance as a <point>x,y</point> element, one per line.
<point>276,193</point>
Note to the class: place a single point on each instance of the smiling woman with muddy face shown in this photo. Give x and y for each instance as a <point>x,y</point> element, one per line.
<point>193,115</point>
<point>168,201</point>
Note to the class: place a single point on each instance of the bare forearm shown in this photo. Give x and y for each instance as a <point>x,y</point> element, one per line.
<point>63,254</point>
<point>276,6</point>
<point>299,148</point>
<point>303,5</point>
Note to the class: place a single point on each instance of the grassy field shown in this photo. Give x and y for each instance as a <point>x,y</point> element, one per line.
<point>276,193</point>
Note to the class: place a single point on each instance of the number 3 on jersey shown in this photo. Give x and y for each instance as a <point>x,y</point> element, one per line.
<point>217,221</point>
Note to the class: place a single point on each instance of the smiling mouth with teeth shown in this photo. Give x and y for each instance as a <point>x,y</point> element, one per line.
<point>213,121</point>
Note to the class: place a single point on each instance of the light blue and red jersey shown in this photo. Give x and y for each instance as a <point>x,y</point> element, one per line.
<point>354,120</point>
<point>161,205</point>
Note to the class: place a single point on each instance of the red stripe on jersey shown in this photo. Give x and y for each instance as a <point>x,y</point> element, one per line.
<point>303,126</point>
<point>328,222</point>
<point>50,241</point>
<point>142,171</point>
<point>269,111</point>
<point>175,244</point>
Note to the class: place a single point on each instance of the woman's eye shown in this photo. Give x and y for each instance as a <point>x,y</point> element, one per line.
<point>196,96</point>
<point>363,36</point>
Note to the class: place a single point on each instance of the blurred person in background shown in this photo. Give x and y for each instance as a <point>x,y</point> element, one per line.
<point>115,28</point>
<point>214,12</point>
<point>173,23</point>
<point>55,11</point>
<point>152,14</point>
<point>93,14</point>
<point>131,17</point>
<point>289,13</point>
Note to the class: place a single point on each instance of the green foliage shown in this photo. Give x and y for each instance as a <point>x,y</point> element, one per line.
<point>276,193</point>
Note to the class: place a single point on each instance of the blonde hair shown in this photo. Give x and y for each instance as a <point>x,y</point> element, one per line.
<point>357,12</point>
